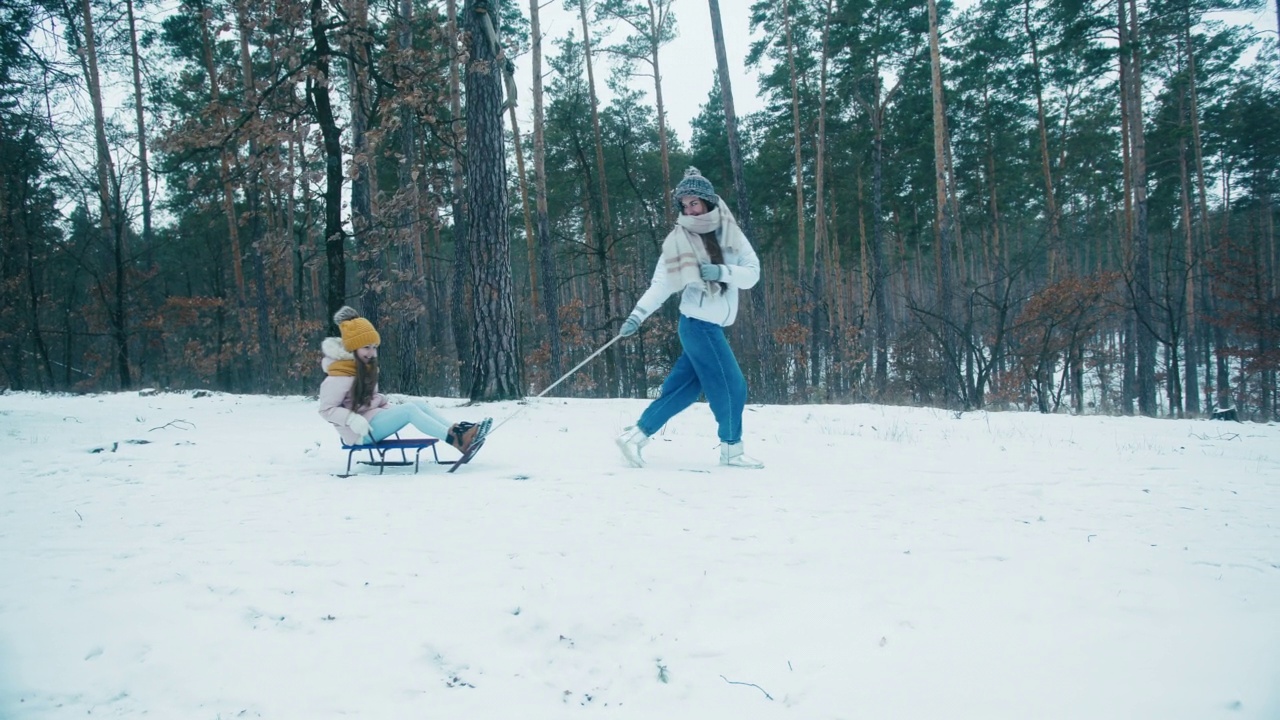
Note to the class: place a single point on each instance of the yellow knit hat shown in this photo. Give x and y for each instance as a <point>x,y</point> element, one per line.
<point>356,331</point>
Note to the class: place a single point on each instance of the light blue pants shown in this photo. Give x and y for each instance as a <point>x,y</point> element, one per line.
<point>707,367</point>
<point>416,413</point>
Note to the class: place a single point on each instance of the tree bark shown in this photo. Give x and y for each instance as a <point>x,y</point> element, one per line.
<point>334,236</point>
<point>460,295</point>
<point>1129,382</point>
<point>613,359</point>
<point>819,346</point>
<point>369,247</point>
<point>743,204</point>
<point>144,167</point>
<point>655,41</point>
<point>1141,284</point>
<point>531,243</point>
<point>410,279</point>
<point>1202,197</point>
<point>110,221</point>
<point>550,290</point>
<point>944,213</point>
<point>264,348</point>
<point>795,129</point>
<point>496,362</point>
<point>1051,201</point>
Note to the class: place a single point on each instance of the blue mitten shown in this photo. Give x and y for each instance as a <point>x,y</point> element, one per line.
<point>712,272</point>
<point>630,325</point>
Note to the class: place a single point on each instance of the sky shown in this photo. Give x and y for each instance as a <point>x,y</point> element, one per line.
<point>199,557</point>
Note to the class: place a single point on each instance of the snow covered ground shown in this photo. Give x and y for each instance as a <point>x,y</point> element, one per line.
<point>888,563</point>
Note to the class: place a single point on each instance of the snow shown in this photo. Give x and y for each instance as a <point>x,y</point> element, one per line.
<point>887,563</point>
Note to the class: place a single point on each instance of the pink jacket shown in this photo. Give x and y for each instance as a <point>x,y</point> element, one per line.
<point>335,393</point>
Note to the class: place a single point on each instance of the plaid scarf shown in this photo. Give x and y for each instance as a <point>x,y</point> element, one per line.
<point>684,252</point>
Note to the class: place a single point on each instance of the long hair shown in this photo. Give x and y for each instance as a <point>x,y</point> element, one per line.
<point>714,251</point>
<point>366,382</point>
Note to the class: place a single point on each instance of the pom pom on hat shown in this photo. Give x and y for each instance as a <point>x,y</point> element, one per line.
<point>356,331</point>
<point>694,185</point>
<point>345,313</point>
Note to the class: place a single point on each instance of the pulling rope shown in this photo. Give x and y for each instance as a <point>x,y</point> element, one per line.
<point>564,377</point>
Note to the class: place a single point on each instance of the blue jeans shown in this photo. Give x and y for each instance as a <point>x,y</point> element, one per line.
<point>416,413</point>
<point>706,367</point>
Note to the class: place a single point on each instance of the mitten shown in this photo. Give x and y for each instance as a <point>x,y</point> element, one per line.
<point>359,425</point>
<point>631,324</point>
<point>712,272</point>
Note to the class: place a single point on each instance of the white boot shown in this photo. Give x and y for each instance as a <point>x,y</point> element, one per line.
<point>732,455</point>
<point>630,442</point>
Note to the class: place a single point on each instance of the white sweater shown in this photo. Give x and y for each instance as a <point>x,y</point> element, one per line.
<point>740,271</point>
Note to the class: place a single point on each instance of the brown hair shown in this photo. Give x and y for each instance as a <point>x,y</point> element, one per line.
<point>366,382</point>
<point>714,253</point>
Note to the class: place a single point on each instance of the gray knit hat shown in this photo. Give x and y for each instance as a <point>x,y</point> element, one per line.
<point>694,185</point>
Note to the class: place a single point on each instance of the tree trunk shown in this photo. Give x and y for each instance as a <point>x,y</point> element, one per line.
<point>655,41</point>
<point>460,296</point>
<point>368,242</point>
<point>334,237</point>
<point>613,359</point>
<point>1202,195</point>
<point>550,293</point>
<point>264,348</point>
<point>879,267</point>
<point>743,205</point>
<point>109,221</point>
<point>819,346</point>
<point>224,167</point>
<point>531,243</point>
<point>410,280</point>
<point>1129,382</point>
<point>997,255</point>
<point>496,361</point>
<point>795,129</point>
<point>944,214</point>
<point>1192,398</point>
<point>1051,201</point>
<point>1141,291</point>
<point>144,167</point>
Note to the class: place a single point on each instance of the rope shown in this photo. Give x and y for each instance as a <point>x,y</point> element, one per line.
<point>564,377</point>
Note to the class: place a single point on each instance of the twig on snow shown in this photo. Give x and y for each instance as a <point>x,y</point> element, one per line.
<point>735,682</point>
<point>176,423</point>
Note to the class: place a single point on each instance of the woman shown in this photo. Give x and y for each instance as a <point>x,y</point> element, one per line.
<point>708,260</point>
<point>349,396</point>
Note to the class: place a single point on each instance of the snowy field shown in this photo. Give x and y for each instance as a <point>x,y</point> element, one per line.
<point>198,558</point>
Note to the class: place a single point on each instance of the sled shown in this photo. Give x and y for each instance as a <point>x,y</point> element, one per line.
<point>395,442</point>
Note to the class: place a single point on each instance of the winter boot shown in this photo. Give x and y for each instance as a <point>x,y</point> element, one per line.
<point>732,456</point>
<point>630,442</point>
<point>461,435</point>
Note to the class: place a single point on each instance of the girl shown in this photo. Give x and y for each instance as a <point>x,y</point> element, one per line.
<point>349,396</point>
<point>708,260</point>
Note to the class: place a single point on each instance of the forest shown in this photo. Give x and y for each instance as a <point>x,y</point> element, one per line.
<point>1051,205</point>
